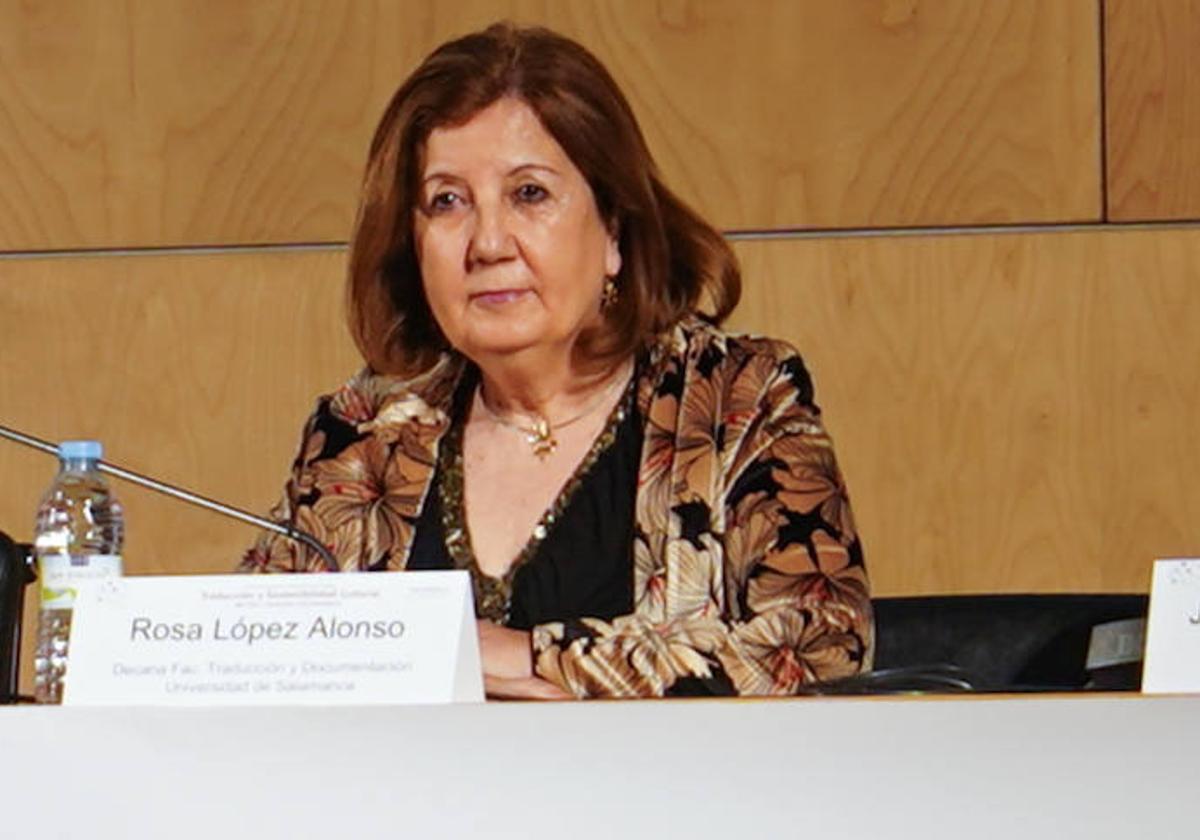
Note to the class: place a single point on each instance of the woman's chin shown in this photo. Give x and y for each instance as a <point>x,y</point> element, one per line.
<point>502,340</point>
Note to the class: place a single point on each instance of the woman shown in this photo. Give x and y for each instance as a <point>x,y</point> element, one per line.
<point>646,505</point>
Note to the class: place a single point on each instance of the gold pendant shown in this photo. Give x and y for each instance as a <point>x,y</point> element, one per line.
<point>541,438</point>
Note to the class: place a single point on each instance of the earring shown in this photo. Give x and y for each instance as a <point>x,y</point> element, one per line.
<point>608,297</point>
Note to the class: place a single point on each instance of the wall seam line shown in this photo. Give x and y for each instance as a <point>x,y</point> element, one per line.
<point>733,235</point>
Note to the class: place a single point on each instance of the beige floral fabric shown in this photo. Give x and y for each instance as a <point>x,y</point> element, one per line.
<point>748,573</point>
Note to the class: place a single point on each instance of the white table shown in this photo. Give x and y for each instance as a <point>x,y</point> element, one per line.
<point>1054,767</point>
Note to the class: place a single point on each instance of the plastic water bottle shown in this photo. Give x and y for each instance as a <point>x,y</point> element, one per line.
<point>79,532</point>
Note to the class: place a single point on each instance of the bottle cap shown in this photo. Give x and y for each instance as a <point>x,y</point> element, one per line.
<point>91,449</point>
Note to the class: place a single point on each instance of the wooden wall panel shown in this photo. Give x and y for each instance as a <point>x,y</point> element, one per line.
<point>1152,83</point>
<point>181,122</point>
<point>1013,412</point>
<point>196,369</point>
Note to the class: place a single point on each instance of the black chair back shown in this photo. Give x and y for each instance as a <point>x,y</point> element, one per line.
<point>16,572</point>
<point>1003,642</point>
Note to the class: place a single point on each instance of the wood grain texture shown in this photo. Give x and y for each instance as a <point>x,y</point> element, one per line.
<point>199,370</point>
<point>1152,84</point>
<point>1013,412</point>
<point>180,122</point>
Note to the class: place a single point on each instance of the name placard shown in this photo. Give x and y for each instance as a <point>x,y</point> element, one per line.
<point>236,640</point>
<point>1172,662</point>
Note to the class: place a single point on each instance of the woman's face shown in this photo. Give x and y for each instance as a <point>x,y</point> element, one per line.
<point>512,248</point>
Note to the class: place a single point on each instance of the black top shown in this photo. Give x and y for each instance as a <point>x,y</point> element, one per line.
<point>583,568</point>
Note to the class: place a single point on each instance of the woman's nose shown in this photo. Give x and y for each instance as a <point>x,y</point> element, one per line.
<point>492,237</point>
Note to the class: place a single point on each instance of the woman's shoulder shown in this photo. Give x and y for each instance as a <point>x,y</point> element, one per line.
<point>694,336</point>
<point>369,399</point>
<point>704,349</point>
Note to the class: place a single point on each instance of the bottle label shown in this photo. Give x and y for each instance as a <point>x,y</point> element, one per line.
<point>60,573</point>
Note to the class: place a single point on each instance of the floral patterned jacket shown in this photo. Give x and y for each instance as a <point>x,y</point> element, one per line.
<point>748,573</point>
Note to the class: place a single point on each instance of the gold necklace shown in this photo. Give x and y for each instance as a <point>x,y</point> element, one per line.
<point>539,434</point>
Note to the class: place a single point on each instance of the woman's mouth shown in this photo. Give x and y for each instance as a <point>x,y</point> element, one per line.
<point>498,297</point>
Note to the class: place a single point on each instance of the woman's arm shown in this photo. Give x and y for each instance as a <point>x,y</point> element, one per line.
<point>273,552</point>
<point>777,587</point>
<point>508,666</point>
<point>366,458</point>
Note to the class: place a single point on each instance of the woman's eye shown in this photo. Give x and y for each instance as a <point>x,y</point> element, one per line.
<point>443,201</point>
<point>531,193</point>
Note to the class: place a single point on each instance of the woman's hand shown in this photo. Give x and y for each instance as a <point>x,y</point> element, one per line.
<point>508,665</point>
<point>526,688</point>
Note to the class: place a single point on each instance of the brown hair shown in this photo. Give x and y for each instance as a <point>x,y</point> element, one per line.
<point>670,257</point>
